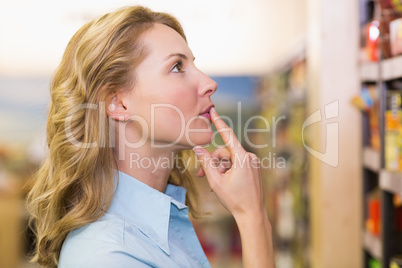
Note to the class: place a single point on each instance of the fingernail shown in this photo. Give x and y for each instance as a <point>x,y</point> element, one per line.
<point>213,110</point>
<point>198,150</point>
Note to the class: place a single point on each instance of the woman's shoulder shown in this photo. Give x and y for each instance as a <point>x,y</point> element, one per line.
<point>104,244</point>
<point>94,242</point>
<point>108,228</point>
<point>99,254</point>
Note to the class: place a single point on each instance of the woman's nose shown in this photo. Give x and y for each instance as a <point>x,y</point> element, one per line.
<point>208,86</point>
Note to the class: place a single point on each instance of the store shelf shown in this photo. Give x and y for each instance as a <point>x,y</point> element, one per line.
<point>284,92</point>
<point>391,68</point>
<point>391,181</point>
<point>369,71</point>
<point>381,184</point>
<point>373,245</point>
<point>371,159</point>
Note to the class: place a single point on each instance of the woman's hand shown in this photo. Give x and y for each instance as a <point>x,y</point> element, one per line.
<point>233,174</point>
<point>239,188</point>
<point>223,162</point>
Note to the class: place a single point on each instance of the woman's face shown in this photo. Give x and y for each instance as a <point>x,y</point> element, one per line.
<point>170,93</point>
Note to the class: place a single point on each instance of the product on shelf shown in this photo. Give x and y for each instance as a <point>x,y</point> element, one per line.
<point>386,16</point>
<point>396,5</point>
<point>396,262</point>
<point>396,36</point>
<point>285,220</point>
<point>367,101</point>
<point>386,4</point>
<point>373,220</point>
<point>398,212</point>
<point>393,132</point>
<point>372,37</point>
<point>374,263</point>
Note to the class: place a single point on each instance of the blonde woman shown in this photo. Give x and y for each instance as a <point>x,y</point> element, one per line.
<point>127,103</point>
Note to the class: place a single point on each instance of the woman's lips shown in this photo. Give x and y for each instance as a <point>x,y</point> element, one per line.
<point>206,115</point>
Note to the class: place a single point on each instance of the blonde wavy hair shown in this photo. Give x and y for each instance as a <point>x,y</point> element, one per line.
<point>74,187</point>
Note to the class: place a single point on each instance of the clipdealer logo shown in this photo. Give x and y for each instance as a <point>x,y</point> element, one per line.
<point>330,156</point>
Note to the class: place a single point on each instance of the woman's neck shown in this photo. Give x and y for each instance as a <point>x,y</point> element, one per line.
<point>151,166</point>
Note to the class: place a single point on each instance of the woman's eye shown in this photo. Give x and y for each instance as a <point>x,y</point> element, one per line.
<point>178,67</point>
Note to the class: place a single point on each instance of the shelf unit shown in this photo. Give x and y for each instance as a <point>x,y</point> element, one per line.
<point>391,182</point>
<point>371,159</point>
<point>282,94</point>
<point>372,244</point>
<point>387,244</point>
<point>378,182</point>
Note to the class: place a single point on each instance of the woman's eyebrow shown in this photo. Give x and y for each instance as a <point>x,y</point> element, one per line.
<point>180,55</point>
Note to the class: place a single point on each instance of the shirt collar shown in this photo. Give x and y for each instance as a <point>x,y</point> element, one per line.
<point>145,207</point>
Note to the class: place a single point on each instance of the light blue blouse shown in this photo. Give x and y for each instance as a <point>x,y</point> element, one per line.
<point>142,228</point>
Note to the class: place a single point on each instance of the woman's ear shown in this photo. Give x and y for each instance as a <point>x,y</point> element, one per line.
<point>116,108</point>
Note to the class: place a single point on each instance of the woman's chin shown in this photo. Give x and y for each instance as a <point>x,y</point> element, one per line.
<point>202,139</point>
<point>199,139</point>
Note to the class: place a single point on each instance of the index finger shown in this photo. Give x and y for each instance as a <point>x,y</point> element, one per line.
<point>227,134</point>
